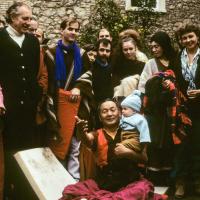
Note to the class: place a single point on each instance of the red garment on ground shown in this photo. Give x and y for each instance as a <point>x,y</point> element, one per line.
<point>139,190</point>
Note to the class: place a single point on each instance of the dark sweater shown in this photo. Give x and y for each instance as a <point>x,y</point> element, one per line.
<point>18,79</point>
<point>126,68</point>
<point>101,81</point>
<point>18,70</point>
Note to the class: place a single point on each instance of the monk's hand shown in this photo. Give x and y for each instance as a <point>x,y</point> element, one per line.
<point>75,93</point>
<point>82,125</point>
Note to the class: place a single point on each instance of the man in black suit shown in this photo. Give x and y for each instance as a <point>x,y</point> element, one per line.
<point>19,64</point>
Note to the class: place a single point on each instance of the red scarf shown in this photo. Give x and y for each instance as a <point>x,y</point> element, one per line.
<point>102,149</point>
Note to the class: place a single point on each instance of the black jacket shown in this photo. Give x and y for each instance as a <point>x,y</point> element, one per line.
<point>18,71</point>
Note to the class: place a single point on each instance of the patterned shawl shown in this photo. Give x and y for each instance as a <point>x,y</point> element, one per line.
<point>180,121</point>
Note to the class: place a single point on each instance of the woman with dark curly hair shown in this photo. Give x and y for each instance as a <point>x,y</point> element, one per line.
<point>188,79</point>
<point>158,101</point>
<point>163,57</point>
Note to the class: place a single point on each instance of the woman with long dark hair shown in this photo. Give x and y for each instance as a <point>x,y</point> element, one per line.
<point>159,98</point>
<point>163,57</point>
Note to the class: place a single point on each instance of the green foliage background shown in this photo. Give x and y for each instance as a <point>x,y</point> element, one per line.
<point>107,14</point>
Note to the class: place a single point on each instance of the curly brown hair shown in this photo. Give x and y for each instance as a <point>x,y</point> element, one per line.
<point>188,28</point>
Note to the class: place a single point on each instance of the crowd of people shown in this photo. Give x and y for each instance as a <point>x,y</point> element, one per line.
<point>119,122</point>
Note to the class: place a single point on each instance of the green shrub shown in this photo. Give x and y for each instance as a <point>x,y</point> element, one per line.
<point>107,14</point>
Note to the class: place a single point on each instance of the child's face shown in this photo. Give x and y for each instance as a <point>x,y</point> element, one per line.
<point>127,112</point>
<point>92,55</point>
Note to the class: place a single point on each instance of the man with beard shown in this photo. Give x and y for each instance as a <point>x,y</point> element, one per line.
<point>98,78</point>
<point>94,86</point>
<point>19,58</point>
<point>101,72</point>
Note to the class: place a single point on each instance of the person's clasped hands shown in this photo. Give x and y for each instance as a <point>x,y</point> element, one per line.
<point>193,93</point>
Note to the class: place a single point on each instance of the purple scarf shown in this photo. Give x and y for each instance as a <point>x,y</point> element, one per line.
<point>61,75</point>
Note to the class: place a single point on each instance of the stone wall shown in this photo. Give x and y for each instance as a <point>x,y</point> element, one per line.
<point>3,7</point>
<point>178,12</point>
<point>51,12</point>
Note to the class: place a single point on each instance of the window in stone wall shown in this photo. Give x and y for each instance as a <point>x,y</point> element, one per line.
<point>158,5</point>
